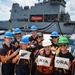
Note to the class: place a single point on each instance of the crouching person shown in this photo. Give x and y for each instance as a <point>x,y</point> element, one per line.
<point>22,64</point>
<point>47,68</point>
<point>7,53</point>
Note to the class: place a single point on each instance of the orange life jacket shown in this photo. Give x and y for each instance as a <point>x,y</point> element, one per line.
<point>8,54</point>
<point>73,67</point>
<point>47,70</point>
<point>0,58</point>
<point>22,62</point>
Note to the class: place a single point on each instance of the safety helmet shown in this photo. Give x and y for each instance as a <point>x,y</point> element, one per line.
<point>39,34</point>
<point>25,40</point>
<point>8,34</point>
<point>33,28</point>
<point>46,42</point>
<point>63,40</point>
<point>54,34</point>
<point>17,30</point>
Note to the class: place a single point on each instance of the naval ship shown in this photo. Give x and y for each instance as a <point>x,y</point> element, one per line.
<point>48,16</point>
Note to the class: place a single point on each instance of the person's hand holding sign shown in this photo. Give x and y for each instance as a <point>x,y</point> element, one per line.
<point>69,65</point>
<point>41,51</point>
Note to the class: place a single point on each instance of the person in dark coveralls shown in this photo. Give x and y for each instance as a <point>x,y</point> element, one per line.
<point>22,65</point>
<point>45,52</point>
<point>33,42</point>
<point>63,44</point>
<point>54,46</point>
<point>33,37</point>
<point>17,37</point>
<point>37,48</point>
<point>39,42</point>
<point>7,53</point>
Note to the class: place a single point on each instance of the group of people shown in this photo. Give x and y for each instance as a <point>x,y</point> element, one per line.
<point>39,48</point>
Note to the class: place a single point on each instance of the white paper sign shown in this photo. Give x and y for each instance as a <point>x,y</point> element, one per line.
<point>24,54</point>
<point>43,61</point>
<point>61,62</point>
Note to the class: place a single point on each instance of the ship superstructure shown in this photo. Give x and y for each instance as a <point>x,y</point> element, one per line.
<point>48,16</point>
<point>48,10</point>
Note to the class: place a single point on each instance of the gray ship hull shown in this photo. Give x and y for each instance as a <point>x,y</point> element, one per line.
<point>65,29</point>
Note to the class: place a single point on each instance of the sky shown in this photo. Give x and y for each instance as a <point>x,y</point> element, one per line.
<point>6,6</point>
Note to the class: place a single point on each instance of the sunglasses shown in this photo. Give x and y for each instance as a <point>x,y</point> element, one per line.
<point>17,33</point>
<point>63,45</point>
<point>47,46</point>
<point>54,37</point>
<point>39,36</point>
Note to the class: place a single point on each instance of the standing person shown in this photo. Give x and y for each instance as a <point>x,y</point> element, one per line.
<point>63,44</point>
<point>33,37</point>
<point>7,53</point>
<point>22,65</point>
<point>54,46</point>
<point>46,52</point>
<point>38,46</point>
<point>39,40</point>
<point>17,37</point>
<point>33,42</point>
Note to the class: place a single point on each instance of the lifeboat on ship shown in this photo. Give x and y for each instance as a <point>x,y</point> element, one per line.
<point>36,18</point>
